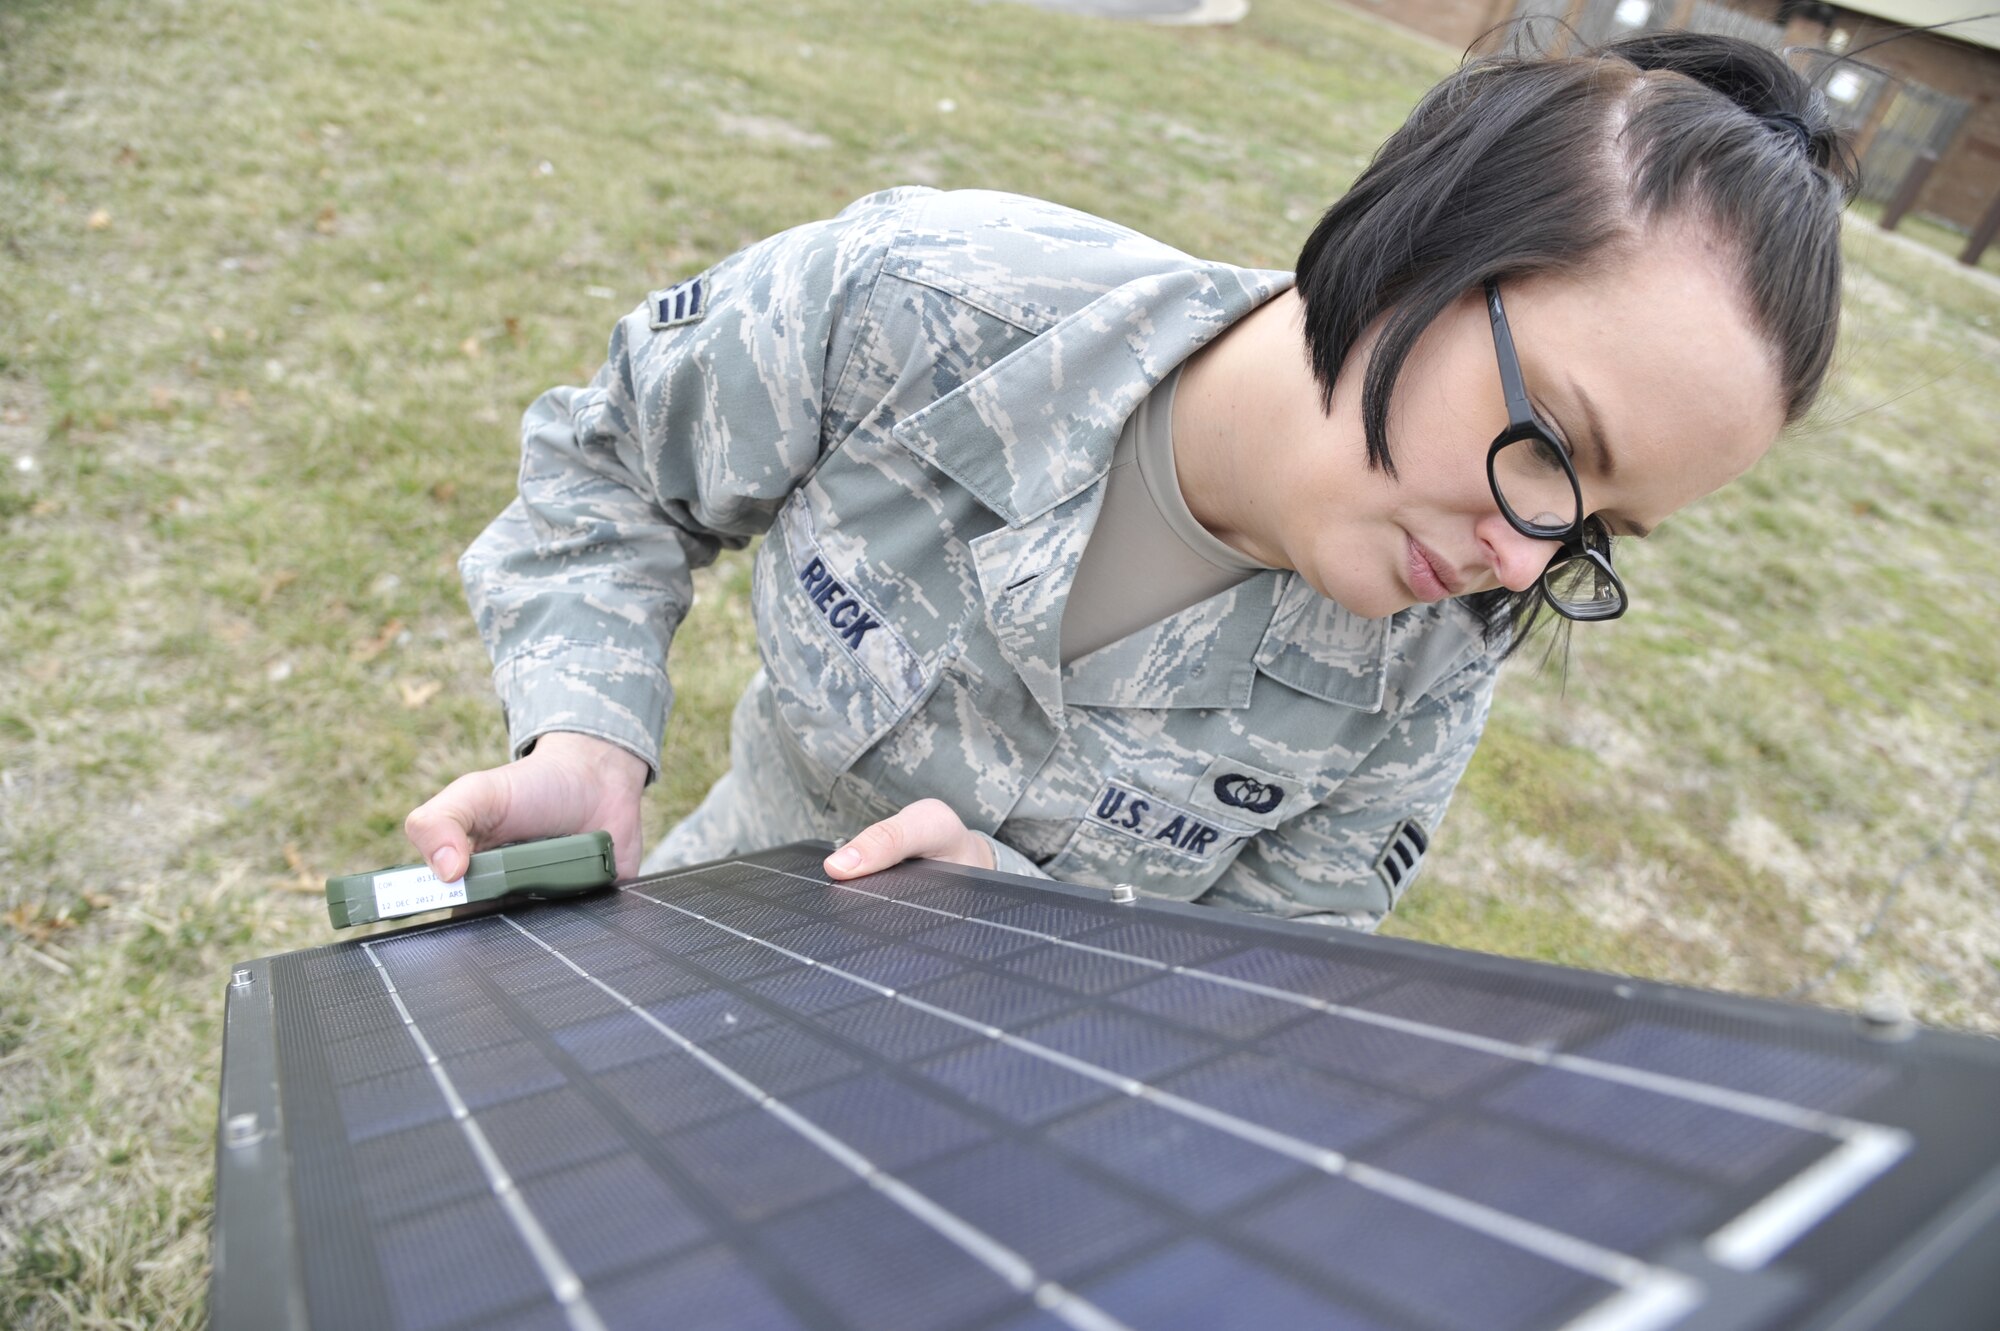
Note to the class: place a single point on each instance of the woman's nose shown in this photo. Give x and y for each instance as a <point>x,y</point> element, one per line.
<point>1518,560</point>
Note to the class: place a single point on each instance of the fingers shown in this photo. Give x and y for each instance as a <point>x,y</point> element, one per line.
<point>448,827</point>
<point>926,830</point>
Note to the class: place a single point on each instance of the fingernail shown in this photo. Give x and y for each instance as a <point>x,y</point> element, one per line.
<point>844,860</point>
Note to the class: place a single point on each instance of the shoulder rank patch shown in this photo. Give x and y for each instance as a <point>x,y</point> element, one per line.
<point>1403,856</point>
<point>682,304</point>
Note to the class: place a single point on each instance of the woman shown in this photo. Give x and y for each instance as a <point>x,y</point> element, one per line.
<point>1090,559</point>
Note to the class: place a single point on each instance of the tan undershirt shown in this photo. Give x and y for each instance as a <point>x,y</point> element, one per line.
<point>1148,557</point>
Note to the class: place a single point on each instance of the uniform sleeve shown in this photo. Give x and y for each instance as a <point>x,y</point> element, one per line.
<point>716,400</point>
<point>1350,859</point>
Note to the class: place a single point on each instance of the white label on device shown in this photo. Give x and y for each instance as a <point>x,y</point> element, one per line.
<point>407,891</point>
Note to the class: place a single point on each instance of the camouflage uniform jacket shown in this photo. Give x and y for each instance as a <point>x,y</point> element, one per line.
<point>918,401</point>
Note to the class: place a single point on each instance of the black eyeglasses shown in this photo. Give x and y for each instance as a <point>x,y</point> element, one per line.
<point>1535,484</point>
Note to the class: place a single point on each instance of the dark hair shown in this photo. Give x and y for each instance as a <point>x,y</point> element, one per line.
<point>1515,165</point>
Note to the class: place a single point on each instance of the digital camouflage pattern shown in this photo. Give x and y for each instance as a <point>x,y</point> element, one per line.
<point>918,400</point>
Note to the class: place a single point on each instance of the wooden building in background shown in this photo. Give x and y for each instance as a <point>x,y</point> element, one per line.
<point>1923,93</point>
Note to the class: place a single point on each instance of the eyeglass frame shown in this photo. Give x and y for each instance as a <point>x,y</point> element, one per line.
<point>1524,422</point>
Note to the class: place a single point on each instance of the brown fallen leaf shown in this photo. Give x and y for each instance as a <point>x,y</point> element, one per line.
<point>276,583</point>
<point>380,643</point>
<point>163,399</point>
<point>444,491</point>
<point>303,879</point>
<point>418,692</point>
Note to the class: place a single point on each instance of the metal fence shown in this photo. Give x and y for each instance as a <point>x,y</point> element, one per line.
<point>1920,120</point>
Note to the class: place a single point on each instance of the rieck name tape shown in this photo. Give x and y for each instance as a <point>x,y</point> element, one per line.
<point>406,891</point>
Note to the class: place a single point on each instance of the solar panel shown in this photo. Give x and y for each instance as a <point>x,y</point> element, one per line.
<point>744,1096</point>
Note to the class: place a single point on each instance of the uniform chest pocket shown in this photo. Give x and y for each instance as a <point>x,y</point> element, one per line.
<point>840,674</point>
<point>1130,836</point>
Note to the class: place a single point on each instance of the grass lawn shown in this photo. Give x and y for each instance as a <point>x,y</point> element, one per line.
<point>276,280</point>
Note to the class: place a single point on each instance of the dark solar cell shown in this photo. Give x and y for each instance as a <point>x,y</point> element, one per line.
<point>711,1289</point>
<point>1158,942</point>
<point>669,930</point>
<point>1214,1008</point>
<point>1526,1021</point>
<point>978,941</point>
<point>611,1213</point>
<point>563,929</point>
<point>740,959</point>
<point>1572,1189</point>
<point>709,1014</point>
<point>1294,1100</point>
<point>1196,1166</point>
<point>824,940</point>
<point>611,1041</point>
<point>763,918</point>
<point>359,1017</point>
<point>539,971</point>
<point>884,917</point>
<point>468,1029</point>
<point>391,1103</point>
<point>809,989</point>
<point>453,1263</point>
<point>1329,975</point>
<point>542,1315</point>
<point>755,1164</point>
<point>503,1072</point>
<point>891,1124</point>
<point>610,954</point>
<point>994,1000</point>
<point>1412,1063</point>
<point>1783,1071</point>
<point>548,1131</point>
<point>420,958</point>
<point>490,943</point>
<point>404,1172</point>
<point>1197,1283</point>
<point>1444,1274</point>
<point>1061,1222</point>
<point>1715,1143</point>
<point>895,1030</point>
<point>372,1053</point>
<point>1048,918</point>
<point>945,894</point>
<point>449,995</point>
<point>653,981</point>
<point>350,987</point>
<point>1020,1086</point>
<point>702,901</point>
<point>782,1060</point>
<point>897,966</point>
<point>1128,1045</point>
<point>1073,968</point>
<point>322,966</point>
<point>664,1094</point>
<point>879,1267</point>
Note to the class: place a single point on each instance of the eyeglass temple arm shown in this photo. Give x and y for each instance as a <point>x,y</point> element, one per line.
<point>1511,384</point>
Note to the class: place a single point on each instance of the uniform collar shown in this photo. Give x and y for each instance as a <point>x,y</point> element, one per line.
<point>1039,426</point>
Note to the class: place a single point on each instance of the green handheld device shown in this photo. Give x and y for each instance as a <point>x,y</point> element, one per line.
<point>558,867</point>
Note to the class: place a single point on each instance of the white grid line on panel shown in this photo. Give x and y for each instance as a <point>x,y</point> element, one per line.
<point>1012,1268</point>
<point>563,1281</point>
<point>1668,1295</point>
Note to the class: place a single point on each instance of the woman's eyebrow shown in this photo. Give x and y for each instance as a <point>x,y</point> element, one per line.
<point>1594,426</point>
<point>1594,431</point>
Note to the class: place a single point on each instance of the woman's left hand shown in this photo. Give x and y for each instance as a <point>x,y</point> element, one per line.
<point>926,830</point>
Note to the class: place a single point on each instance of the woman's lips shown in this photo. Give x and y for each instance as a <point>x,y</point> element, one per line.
<point>1430,578</point>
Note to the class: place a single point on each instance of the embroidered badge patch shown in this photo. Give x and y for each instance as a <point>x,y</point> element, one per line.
<point>1403,856</point>
<point>678,305</point>
<point>1239,790</point>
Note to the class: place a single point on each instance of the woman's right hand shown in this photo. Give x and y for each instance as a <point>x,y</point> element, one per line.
<point>570,783</point>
